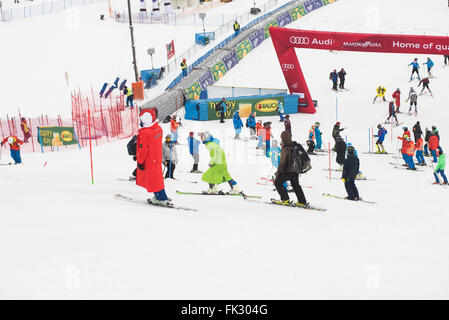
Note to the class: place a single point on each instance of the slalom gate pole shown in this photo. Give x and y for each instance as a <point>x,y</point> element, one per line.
<point>169,169</point>
<point>391,132</point>
<point>90,147</point>
<point>330,174</point>
<point>336,108</point>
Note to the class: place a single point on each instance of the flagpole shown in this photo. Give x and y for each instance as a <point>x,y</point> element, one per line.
<point>131,29</point>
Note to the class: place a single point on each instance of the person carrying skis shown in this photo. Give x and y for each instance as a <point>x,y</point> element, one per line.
<point>342,77</point>
<point>417,132</point>
<point>218,171</point>
<point>397,99</point>
<point>129,96</point>
<point>425,85</point>
<point>413,97</point>
<point>238,124</point>
<point>251,124</point>
<point>286,171</point>
<point>419,146</point>
<point>392,113</point>
<point>318,135</point>
<point>14,148</point>
<point>281,111</point>
<point>426,145</point>
<point>311,141</point>
<point>260,131</point>
<point>415,66</point>
<point>381,132</point>
<point>340,148</point>
<point>429,64</point>
<point>268,136</point>
<point>351,167</point>
<point>380,93</point>
<point>25,130</point>
<point>336,131</point>
<point>132,151</point>
<point>174,125</point>
<point>194,150</point>
<point>433,143</point>
<point>221,107</point>
<point>149,157</point>
<point>439,169</point>
<point>287,124</point>
<point>334,78</point>
<point>169,156</point>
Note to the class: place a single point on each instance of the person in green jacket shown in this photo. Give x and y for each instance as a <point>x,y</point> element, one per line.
<point>218,171</point>
<point>441,165</point>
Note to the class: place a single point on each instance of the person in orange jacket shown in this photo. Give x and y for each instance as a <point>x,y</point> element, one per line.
<point>311,141</point>
<point>410,152</point>
<point>404,147</point>
<point>268,135</point>
<point>174,125</point>
<point>14,147</point>
<point>419,146</point>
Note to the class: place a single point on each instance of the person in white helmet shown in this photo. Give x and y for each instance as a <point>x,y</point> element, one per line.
<point>14,147</point>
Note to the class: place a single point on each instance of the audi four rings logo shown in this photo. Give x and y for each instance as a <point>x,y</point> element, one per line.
<point>299,40</point>
<point>288,66</point>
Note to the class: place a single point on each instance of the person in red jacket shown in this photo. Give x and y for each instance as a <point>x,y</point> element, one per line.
<point>149,157</point>
<point>14,148</point>
<point>268,135</point>
<point>25,129</point>
<point>433,144</point>
<point>397,99</point>
<point>260,133</point>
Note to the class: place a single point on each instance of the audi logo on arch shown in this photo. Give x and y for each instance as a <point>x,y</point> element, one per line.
<point>288,66</point>
<point>299,40</point>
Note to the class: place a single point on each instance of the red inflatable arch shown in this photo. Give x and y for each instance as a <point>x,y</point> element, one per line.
<point>286,40</point>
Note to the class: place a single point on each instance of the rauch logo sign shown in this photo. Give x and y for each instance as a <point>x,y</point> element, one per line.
<point>267,105</point>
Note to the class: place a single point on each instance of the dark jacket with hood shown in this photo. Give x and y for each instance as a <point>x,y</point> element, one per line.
<point>340,147</point>
<point>285,162</point>
<point>350,167</point>
<point>417,132</point>
<point>336,131</point>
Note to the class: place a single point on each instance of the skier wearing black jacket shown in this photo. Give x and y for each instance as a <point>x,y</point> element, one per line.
<point>336,132</point>
<point>340,148</point>
<point>342,77</point>
<point>132,151</point>
<point>426,139</point>
<point>417,132</point>
<point>350,170</point>
<point>221,108</point>
<point>286,173</point>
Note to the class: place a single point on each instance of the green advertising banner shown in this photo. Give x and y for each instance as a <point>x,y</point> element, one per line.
<point>243,49</point>
<point>272,23</point>
<point>262,107</point>
<point>193,92</point>
<point>218,70</point>
<point>326,2</point>
<point>297,12</point>
<point>56,136</point>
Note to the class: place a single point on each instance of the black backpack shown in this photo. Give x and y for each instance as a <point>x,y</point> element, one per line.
<point>132,146</point>
<point>300,159</point>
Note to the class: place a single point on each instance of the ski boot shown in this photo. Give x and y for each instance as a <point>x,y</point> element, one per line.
<point>213,190</point>
<point>282,202</point>
<point>436,183</point>
<point>234,190</point>
<point>132,178</point>
<point>154,201</point>
<point>302,205</point>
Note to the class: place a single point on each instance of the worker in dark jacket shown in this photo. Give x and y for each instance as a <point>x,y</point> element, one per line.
<point>286,173</point>
<point>132,151</point>
<point>350,171</point>
<point>417,132</point>
<point>336,132</point>
<point>342,77</point>
<point>221,107</point>
<point>340,148</point>
<point>426,139</point>
<point>287,124</point>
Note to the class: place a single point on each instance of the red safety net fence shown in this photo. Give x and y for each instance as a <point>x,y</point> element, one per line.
<point>110,121</point>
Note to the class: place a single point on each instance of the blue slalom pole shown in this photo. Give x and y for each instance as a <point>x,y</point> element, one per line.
<point>336,109</point>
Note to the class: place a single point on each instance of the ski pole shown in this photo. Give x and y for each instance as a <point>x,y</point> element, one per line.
<point>268,177</point>
<point>169,170</point>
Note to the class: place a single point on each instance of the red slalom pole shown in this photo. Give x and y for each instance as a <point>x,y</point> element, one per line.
<point>90,147</point>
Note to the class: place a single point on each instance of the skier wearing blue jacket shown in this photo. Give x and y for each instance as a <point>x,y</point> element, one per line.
<point>415,66</point>
<point>251,124</point>
<point>429,64</point>
<point>381,133</point>
<point>194,149</point>
<point>334,78</point>
<point>238,124</point>
<point>318,134</point>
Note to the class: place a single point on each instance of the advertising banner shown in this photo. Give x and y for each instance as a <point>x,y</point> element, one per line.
<point>272,23</point>
<point>311,5</point>
<point>286,40</point>
<point>284,19</point>
<point>56,136</point>
<point>262,107</point>
<point>326,2</point>
<point>243,49</point>
<point>194,91</point>
<point>218,70</point>
<point>230,60</point>
<point>256,38</point>
<point>297,12</point>
<point>206,80</point>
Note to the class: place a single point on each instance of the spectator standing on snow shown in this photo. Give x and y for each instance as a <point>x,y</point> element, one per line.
<point>342,77</point>
<point>351,167</point>
<point>25,130</point>
<point>194,150</point>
